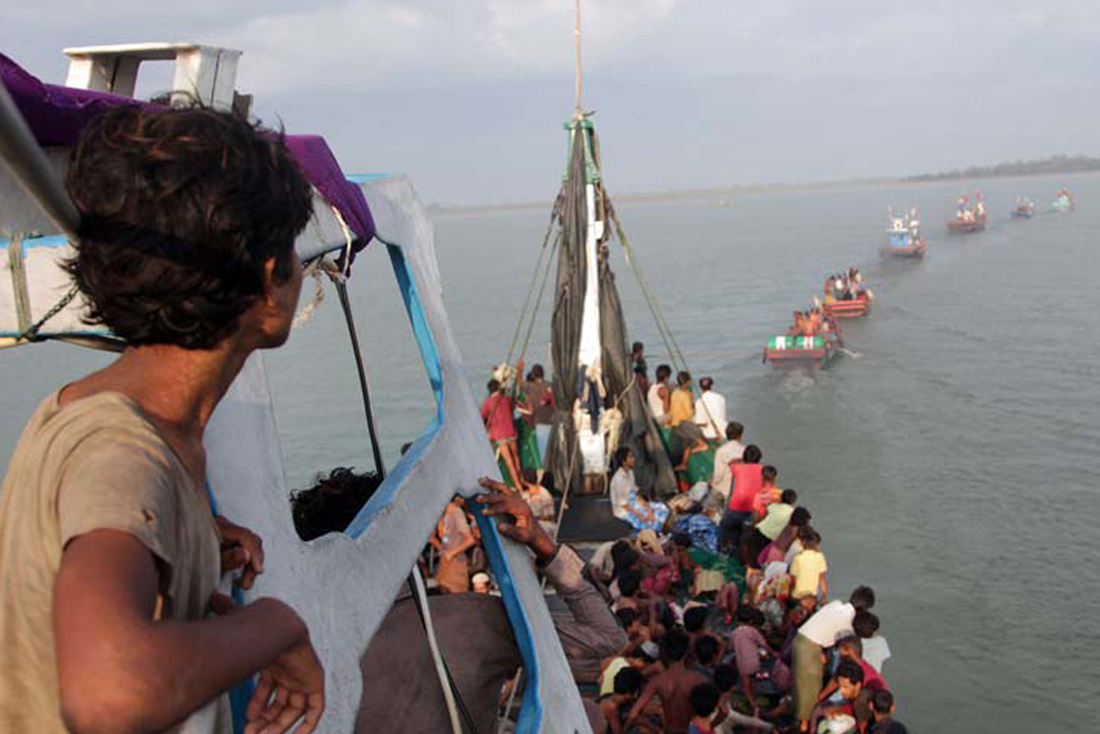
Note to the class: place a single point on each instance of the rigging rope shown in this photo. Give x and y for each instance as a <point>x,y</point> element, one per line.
<point>531,287</point>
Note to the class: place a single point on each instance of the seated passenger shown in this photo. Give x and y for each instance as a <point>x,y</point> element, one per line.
<point>626,502</point>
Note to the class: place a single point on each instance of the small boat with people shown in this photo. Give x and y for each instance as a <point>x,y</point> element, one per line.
<point>1064,201</point>
<point>813,341</point>
<point>1024,209</point>
<point>906,240</point>
<point>846,295</point>
<point>970,217</point>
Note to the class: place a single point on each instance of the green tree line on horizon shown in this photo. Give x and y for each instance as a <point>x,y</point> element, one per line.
<point>1053,164</point>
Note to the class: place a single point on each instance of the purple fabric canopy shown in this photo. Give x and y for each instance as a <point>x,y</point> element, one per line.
<point>57,114</point>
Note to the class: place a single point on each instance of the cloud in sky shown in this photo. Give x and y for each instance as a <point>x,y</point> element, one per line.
<point>468,96</point>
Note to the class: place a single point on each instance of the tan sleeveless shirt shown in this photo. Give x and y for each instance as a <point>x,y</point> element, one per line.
<point>96,464</point>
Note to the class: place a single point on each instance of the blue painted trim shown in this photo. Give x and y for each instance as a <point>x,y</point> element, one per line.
<point>530,711</point>
<point>429,355</point>
<point>358,178</point>
<point>239,696</point>
<point>530,717</point>
<point>50,242</point>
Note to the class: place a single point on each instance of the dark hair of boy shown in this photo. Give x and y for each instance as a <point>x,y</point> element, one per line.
<point>862,598</point>
<point>769,473</point>
<point>734,431</point>
<point>332,503</point>
<point>695,619</point>
<point>745,614</point>
<point>706,649</point>
<point>622,558</point>
<point>788,497</point>
<point>850,670</point>
<point>637,347</point>
<point>882,701</point>
<point>493,386</point>
<point>704,699</point>
<point>682,540</point>
<point>865,624</point>
<point>806,534</point>
<point>663,372</point>
<point>629,582</point>
<point>706,383</point>
<point>752,454</point>
<point>628,681</point>
<point>209,199</point>
<point>674,645</point>
<point>536,372</point>
<point>801,516</point>
<point>725,677</point>
<point>851,642</point>
<point>627,617</point>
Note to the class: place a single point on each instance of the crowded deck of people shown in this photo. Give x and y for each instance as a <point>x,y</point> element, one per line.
<point>711,612</point>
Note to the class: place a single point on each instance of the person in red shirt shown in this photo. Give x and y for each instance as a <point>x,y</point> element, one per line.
<point>496,412</point>
<point>851,648</point>
<point>747,483</point>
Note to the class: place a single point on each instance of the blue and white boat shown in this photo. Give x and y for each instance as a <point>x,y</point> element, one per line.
<point>905,239</point>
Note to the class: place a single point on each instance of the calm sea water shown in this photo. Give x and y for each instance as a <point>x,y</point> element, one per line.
<point>951,461</point>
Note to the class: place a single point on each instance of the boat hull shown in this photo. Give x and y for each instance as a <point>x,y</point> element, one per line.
<point>848,309</point>
<point>905,252</point>
<point>962,226</point>
<point>800,357</point>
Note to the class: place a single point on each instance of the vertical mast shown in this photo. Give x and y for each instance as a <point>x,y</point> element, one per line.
<point>578,111</point>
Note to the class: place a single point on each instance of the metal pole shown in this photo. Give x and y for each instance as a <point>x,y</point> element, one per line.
<point>25,158</point>
<point>345,303</point>
<point>578,111</point>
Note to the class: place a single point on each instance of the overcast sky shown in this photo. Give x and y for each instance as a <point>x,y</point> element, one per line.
<point>468,96</point>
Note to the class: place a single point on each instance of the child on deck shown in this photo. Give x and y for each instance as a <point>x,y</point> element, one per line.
<point>808,568</point>
<point>725,678</point>
<point>747,642</point>
<point>497,415</point>
<point>673,686</point>
<point>704,701</point>
<point>882,705</point>
<point>875,650</point>
<point>767,529</point>
<point>616,703</point>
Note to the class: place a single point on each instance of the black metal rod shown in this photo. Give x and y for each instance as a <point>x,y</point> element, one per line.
<point>364,387</point>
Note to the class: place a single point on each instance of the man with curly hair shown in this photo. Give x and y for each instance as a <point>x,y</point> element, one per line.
<point>109,554</point>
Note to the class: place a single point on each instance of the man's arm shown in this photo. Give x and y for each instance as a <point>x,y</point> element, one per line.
<point>119,670</point>
<point>651,689</point>
<point>595,629</point>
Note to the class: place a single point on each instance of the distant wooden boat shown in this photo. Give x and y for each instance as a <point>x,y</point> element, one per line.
<point>1024,209</point>
<point>852,309</point>
<point>960,225</point>
<point>800,351</point>
<point>970,217</point>
<point>905,238</point>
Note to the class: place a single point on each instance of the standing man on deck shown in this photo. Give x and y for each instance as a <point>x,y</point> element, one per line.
<point>110,556</point>
<point>710,411</point>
